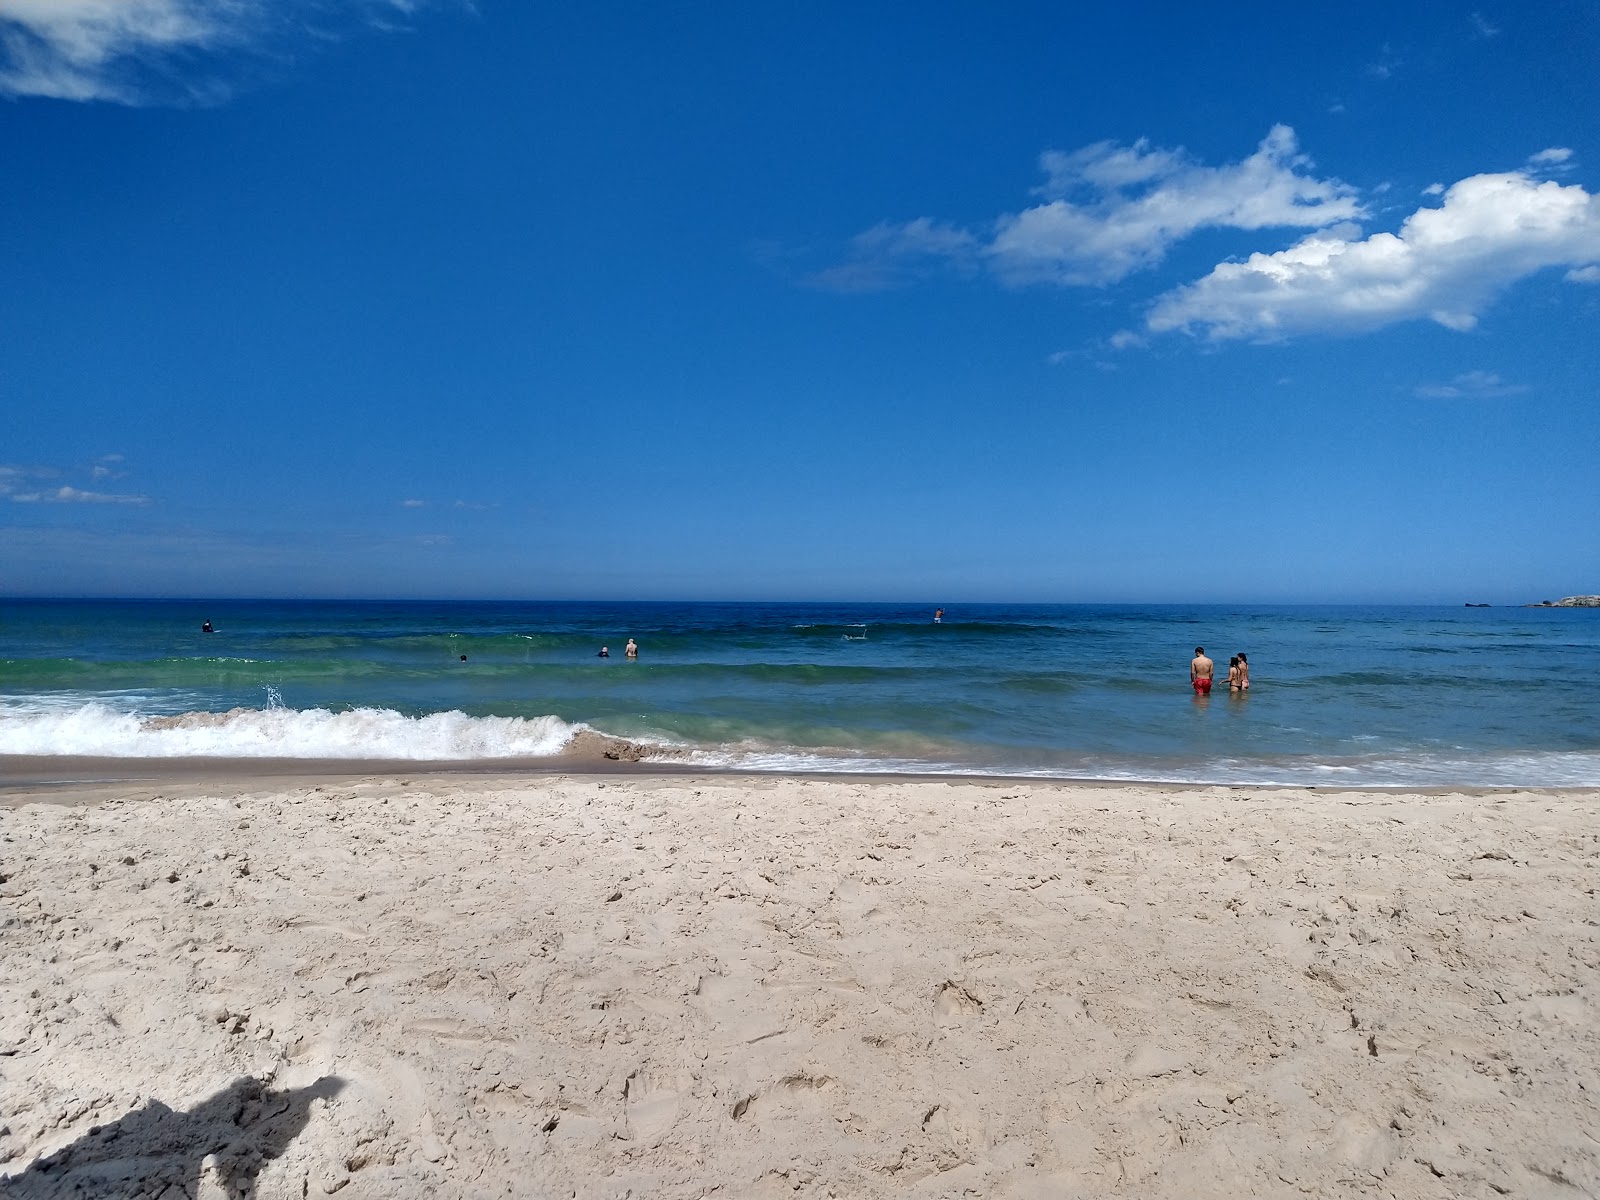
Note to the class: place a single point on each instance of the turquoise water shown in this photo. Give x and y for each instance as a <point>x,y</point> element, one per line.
<point>1379,695</point>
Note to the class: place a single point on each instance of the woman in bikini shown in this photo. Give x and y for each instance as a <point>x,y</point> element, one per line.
<point>1233,673</point>
<point>1244,674</point>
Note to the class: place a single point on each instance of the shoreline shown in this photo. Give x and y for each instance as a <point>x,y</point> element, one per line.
<point>55,775</point>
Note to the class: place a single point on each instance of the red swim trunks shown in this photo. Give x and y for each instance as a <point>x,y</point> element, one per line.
<point>1202,687</point>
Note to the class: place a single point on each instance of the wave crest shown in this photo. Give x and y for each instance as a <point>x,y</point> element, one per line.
<point>96,730</point>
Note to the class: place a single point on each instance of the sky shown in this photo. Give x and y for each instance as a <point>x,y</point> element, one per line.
<point>930,302</point>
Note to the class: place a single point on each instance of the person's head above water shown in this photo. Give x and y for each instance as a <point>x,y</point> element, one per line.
<point>1199,649</point>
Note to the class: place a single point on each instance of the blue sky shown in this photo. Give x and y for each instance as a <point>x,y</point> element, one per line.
<point>928,302</point>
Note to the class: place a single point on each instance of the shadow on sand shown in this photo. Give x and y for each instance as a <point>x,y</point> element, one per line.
<point>154,1147</point>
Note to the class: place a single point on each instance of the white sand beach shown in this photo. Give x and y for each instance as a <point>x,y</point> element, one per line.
<point>683,986</point>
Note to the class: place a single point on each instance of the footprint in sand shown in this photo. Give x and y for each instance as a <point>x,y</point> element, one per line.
<point>953,1004</point>
<point>652,1101</point>
<point>792,1096</point>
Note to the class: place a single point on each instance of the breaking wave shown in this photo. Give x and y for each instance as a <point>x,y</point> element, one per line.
<point>97,730</point>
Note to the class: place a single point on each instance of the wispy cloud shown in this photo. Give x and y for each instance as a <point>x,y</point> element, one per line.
<point>105,467</point>
<point>458,505</point>
<point>1482,27</point>
<point>161,51</point>
<point>36,485</point>
<point>1557,158</point>
<point>1106,211</point>
<point>1386,64</point>
<point>890,254</point>
<point>72,495</point>
<point>1483,385</point>
<point>1445,264</point>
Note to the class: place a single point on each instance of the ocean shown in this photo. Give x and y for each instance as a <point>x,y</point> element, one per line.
<point>1340,696</point>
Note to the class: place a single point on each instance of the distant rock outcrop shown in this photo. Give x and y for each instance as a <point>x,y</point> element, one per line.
<point>1568,602</point>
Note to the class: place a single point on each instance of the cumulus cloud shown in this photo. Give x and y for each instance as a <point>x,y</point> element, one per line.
<point>1445,264</point>
<point>152,51</point>
<point>1471,385</point>
<point>1106,211</point>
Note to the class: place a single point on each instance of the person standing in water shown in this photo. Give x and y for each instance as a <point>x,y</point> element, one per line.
<point>1233,673</point>
<point>938,616</point>
<point>631,649</point>
<point>1201,669</point>
<point>1244,673</point>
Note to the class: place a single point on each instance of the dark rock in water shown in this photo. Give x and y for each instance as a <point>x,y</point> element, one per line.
<point>588,744</point>
<point>1470,604</point>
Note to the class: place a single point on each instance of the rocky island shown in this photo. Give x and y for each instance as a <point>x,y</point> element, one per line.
<point>1568,602</point>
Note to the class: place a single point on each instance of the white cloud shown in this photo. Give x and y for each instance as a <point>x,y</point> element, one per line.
<point>1385,65</point>
<point>1481,24</point>
<point>105,467</point>
<point>1556,154</point>
<point>1108,211</point>
<point>1433,189</point>
<point>890,254</point>
<point>145,51</point>
<point>1133,203</point>
<point>1445,264</point>
<point>72,495</point>
<point>413,504</point>
<point>1471,385</point>
<point>33,485</point>
<point>1589,274</point>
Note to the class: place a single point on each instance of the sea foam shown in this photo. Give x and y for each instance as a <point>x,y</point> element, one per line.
<point>98,730</point>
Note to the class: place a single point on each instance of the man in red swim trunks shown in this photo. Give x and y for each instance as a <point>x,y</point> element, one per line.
<point>1200,672</point>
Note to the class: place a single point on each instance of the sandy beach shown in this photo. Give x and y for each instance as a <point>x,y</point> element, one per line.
<point>590,985</point>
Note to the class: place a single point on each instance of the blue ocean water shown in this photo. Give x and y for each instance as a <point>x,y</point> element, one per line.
<point>1340,695</point>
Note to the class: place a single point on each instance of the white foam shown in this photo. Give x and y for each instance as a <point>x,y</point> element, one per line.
<point>98,730</point>
<point>1532,769</point>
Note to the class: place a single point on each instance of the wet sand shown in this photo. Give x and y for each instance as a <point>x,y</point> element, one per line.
<point>418,984</point>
